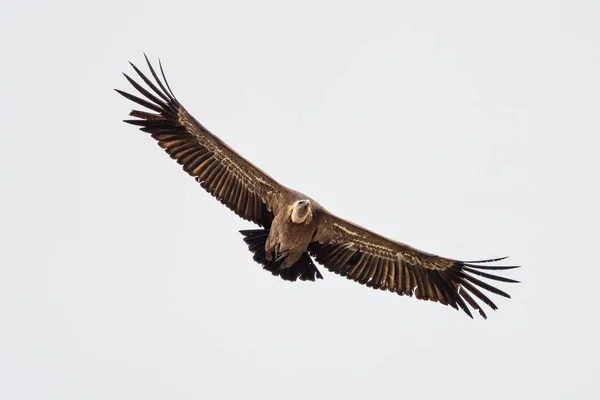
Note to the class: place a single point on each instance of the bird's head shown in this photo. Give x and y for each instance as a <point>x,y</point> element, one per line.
<point>300,211</point>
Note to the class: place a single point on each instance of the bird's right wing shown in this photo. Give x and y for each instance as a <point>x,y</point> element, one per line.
<point>381,263</point>
<point>233,180</point>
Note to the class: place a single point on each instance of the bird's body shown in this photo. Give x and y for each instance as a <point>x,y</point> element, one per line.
<point>295,227</point>
<point>290,233</point>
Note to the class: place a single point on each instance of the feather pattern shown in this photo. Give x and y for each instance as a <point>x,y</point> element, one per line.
<point>372,260</point>
<point>235,182</point>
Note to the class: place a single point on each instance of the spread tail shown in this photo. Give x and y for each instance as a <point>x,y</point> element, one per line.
<point>304,268</point>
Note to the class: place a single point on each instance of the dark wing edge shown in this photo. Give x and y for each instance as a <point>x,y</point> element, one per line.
<point>230,178</point>
<point>380,263</point>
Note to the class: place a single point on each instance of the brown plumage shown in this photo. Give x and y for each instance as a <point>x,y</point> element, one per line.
<point>294,226</point>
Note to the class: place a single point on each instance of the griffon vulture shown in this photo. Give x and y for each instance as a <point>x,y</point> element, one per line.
<point>295,228</point>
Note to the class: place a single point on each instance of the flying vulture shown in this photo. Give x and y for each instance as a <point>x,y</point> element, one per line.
<point>295,229</point>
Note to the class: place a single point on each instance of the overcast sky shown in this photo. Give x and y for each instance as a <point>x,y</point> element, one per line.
<point>466,129</point>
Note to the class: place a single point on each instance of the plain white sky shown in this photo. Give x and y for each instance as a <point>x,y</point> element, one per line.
<point>467,129</point>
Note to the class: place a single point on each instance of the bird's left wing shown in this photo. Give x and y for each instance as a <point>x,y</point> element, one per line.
<point>373,260</point>
<point>233,180</point>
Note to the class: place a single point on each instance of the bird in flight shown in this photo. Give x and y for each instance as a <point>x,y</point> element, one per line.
<point>294,228</point>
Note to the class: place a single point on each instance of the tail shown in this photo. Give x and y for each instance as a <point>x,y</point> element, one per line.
<point>304,268</point>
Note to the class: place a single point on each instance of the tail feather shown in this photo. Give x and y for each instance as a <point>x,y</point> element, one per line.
<point>304,269</point>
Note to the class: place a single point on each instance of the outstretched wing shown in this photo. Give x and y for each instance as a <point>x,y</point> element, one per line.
<point>370,259</point>
<point>226,175</point>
